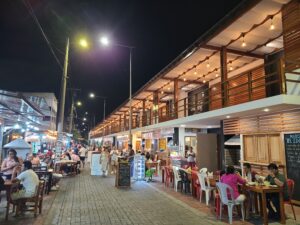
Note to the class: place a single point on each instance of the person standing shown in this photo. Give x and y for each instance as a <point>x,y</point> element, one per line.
<point>82,154</point>
<point>10,164</point>
<point>131,159</point>
<point>104,158</point>
<point>35,160</point>
<point>191,157</point>
<point>114,160</point>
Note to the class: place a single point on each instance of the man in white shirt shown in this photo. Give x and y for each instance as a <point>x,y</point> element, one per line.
<point>29,180</point>
<point>82,155</point>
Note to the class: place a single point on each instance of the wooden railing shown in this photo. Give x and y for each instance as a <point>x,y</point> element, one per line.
<point>258,83</point>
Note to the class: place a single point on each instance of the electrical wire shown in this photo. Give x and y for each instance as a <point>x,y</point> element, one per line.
<point>31,12</point>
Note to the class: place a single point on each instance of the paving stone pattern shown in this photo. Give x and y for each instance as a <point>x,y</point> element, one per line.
<point>94,200</point>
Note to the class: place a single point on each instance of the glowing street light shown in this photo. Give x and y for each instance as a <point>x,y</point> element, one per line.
<point>79,103</point>
<point>84,119</point>
<point>104,41</point>
<point>83,43</point>
<point>92,95</point>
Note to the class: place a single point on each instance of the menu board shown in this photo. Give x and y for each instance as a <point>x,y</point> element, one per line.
<point>123,175</point>
<point>292,152</point>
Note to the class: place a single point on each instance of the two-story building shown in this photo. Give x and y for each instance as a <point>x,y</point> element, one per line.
<point>233,94</point>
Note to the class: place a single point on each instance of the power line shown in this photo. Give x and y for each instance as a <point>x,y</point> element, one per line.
<point>31,12</point>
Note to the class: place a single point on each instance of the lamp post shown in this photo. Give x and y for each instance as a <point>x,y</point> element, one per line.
<point>105,41</point>
<point>92,95</point>
<point>60,127</point>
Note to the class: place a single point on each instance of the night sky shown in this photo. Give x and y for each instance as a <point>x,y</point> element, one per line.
<point>159,30</point>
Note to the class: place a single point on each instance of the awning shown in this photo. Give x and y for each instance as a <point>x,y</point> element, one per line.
<point>235,140</point>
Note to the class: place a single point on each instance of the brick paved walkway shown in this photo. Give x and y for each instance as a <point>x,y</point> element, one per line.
<point>94,200</point>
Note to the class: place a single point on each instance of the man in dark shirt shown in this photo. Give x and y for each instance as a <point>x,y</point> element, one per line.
<point>275,178</point>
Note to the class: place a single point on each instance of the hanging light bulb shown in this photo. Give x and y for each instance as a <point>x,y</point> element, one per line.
<point>230,66</point>
<point>204,81</point>
<point>207,64</point>
<point>184,79</point>
<point>244,43</point>
<point>169,88</point>
<point>217,75</point>
<point>162,92</point>
<point>272,26</point>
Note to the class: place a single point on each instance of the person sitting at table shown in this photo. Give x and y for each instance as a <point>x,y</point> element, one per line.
<point>29,180</point>
<point>10,164</point>
<point>233,180</point>
<point>35,160</point>
<point>249,174</point>
<point>275,178</point>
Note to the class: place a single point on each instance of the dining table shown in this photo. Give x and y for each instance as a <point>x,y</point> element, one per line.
<point>49,175</point>
<point>263,190</point>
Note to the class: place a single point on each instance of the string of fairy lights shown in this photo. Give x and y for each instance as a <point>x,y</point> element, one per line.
<point>204,78</point>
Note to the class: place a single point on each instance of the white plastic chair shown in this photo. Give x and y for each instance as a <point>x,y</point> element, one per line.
<point>227,198</point>
<point>203,170</point>
<point>205,188</point>
<point>177,178</point>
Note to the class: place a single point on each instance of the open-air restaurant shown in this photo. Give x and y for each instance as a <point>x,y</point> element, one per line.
<point>218,130</point>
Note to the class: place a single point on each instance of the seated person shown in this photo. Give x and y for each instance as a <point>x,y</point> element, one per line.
<point>29,180</point>
<point>35,160</point>
<point>275,178</point>
<point>249,174</point>
<point>232,179</point>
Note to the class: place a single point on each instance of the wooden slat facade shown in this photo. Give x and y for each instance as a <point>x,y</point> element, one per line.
<point>272,123</point>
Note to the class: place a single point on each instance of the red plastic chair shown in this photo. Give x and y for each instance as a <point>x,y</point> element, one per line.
<point>195,185</point>
<point>291,186</point>
<point>169,176</point>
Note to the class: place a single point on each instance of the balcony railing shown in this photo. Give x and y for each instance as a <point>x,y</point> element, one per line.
<point>258,83</point>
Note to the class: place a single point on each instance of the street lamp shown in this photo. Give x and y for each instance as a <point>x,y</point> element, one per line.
<point>92,95</point>
<point>83,43</point>
<point>105,41</point>
<point>79,103</point>
<point>84,119</point>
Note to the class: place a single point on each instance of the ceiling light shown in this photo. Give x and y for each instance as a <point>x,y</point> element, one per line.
<point>195,72</point>
<point>228,117</point>
<point>162,92</point>
<point>209,126</point>
<point>183,125</point>
<point>243,43</point>
<point>204,81</point>
<point>184,79</point>
<point>207,64</point>
<point>266,110</point>
<point>272,26</point>
<point>169,88</point>
<point>217,75</point>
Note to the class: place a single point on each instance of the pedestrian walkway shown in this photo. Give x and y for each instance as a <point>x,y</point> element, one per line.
<point>90,200</point>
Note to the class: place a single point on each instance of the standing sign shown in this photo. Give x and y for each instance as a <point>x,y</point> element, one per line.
<point>123,175</point>
<point>95,164</point>
<point>292,153</point>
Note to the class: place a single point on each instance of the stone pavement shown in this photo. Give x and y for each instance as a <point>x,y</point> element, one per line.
<point>86,199</point>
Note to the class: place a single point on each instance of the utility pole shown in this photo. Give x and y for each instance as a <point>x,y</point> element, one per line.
<point>60,127</point>
<point>73,91</point>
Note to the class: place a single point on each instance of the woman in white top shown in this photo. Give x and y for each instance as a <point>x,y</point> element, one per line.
<point>114,160</point>
<point>104,157</point>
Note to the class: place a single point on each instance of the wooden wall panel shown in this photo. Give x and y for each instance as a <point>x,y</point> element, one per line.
<point>276,123</point>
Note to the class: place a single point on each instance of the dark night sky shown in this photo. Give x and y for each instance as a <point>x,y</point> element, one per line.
<point>160,30</point>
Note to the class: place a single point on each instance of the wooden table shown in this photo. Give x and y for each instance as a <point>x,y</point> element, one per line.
<point>263,190</point>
